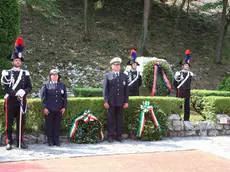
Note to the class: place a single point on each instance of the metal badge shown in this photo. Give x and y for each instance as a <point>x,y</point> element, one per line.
<point>62,91</point>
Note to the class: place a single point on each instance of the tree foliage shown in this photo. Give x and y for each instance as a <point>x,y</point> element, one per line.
<point>9,25</point>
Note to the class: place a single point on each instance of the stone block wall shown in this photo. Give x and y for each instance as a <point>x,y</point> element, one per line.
<point>178,128</point>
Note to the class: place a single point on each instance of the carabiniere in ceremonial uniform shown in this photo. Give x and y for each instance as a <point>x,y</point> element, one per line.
<point>134,79</point>
<point>16,84</point>
<point>54,102</point>
<point>182,83</point>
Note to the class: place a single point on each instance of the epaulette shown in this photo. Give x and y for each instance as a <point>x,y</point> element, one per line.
<point>5,72</point>
<point>27,73</point>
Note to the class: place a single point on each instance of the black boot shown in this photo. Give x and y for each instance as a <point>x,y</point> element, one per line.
<point>23,145</point>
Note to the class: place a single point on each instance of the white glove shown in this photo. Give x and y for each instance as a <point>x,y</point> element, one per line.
<point>20,93</point>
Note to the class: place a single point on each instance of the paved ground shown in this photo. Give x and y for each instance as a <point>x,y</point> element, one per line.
<point>188,154</point>
<point>180,161</point>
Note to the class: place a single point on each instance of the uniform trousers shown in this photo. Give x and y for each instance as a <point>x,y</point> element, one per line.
<point>114,117</point>
<point>186,108</point>
<point>53,126</point>
<point>133,92</point>
<point>12,110</point>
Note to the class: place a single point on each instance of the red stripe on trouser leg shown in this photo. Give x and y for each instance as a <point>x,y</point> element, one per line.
<point>178,92</point>
<point>6,113</point>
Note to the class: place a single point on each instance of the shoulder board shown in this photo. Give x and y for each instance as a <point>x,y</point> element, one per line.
<point>27,73</point>
<point>5,72</point>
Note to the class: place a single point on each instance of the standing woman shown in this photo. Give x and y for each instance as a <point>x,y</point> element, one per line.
<point>54,101</point>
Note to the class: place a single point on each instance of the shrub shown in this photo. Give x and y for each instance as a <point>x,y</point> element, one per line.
<point>215,105</point>
<point>35,117</point>
<point>198,96</point>
<point>224,85</point>
<point>148,77</point>
<point>88,92</point>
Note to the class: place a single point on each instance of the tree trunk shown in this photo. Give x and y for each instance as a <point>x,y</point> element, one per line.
<point>172,7</point>
<point>180,13</point>
<point>221,32</point>
<point>29,6</point>
<point>227,23</point>
<point>144,31</point>
<point>86,30</point>
<point>187,12</point>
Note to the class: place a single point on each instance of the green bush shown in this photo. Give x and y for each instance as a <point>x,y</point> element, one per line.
<point>148,77</point>
<point>9,25</point>
<point>35,117</point>
<point>88,92</point>
<point>198,96</point>
<point>216,105</point>
<point>224,85</point>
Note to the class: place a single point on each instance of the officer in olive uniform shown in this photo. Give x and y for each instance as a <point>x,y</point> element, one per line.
<point>182,84</point>
<point>16,84</point>
<point>54,102</point>
<point>115,92</point>
<point>134,79</point>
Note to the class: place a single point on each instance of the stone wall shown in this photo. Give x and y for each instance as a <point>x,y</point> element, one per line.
<point>178,128</point>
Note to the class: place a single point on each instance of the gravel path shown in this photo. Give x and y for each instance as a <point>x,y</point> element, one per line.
<point>219,146</point>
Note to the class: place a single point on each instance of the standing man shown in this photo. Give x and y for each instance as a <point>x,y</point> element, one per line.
<point>54,102</point>
<point>182,83</point>
<point>115,92</point>
<point>16,84</point>
<point>134,79</point>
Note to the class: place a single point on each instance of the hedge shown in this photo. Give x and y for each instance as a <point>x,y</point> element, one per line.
<point>88,92</point>
<point>216,105</point>
<point>198,96</point>
<point>35,117</point>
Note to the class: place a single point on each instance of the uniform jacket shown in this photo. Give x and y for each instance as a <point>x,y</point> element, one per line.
<point>9,77</point>
<point>115,89</point>
<point>137,83</point>
<point>54,96</point>
<point>184,90</point>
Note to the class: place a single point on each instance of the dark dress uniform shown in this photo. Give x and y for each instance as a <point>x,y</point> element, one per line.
<point>12,103</point>
<point>54,98</point>
<point>182,83</point>
<point>135,81</point>
<point>115,92</point>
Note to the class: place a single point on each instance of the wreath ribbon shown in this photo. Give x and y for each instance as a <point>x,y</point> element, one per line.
<point>156,67</point>
<point>145,108</point>
<point>86,117</point>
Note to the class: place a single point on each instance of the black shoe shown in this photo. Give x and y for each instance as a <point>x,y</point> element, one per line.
<point>8,146</point>
<point>119,139</point>
<point>110,140</point>
<point>23,145</point>
<point>57,144</point>
<point>50,143</point>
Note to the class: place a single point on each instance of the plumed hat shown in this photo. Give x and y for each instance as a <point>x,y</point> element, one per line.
<point>133,54</point>
<point>19,47</point>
